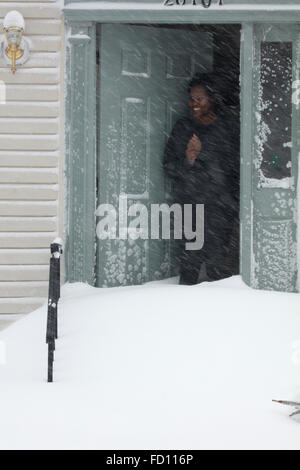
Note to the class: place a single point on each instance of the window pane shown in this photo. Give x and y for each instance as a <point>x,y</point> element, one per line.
<point>276,109</point>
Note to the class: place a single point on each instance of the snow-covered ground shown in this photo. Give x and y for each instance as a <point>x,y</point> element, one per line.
<point>160,366</point>
<point>7,320</point>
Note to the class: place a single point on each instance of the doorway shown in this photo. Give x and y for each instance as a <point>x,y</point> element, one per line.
<point>142,92</point>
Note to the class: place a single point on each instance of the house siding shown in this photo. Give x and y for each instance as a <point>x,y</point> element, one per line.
<point>31,157</point>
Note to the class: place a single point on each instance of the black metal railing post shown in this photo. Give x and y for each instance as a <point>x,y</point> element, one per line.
<point>53,298</point>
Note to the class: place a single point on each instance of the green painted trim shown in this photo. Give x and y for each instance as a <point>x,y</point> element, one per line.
<point>272,204</point>
<point>159,3</point>
<point>246,216</point>
<point>171,15</point>
<point>81,152</point>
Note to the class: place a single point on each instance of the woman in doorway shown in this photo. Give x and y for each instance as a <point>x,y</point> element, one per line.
<point>202,159</point>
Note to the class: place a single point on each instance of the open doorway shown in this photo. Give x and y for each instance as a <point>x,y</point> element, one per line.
<point>227,64</point>
<point>144,71</point>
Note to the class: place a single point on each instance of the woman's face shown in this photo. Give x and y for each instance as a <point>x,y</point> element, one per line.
<point>199,102</point>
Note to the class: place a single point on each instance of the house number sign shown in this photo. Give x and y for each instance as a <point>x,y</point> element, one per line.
<point>204,3</point>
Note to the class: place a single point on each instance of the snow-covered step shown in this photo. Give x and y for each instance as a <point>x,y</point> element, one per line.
<point>26,224</point>
<point>28,209</point>
<point>34,159</point>
<point>241,342</point>
<point>24,289</point>
<point>24,256</point>
<point>24,273</point>
<point>22,240</point>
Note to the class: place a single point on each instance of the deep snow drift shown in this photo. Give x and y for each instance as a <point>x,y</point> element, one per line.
<point>159,366</point>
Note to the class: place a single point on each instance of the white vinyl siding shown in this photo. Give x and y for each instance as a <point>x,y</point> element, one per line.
<point>31,155</point>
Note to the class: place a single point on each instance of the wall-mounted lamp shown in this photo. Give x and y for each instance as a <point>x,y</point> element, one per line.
<point>15,48</point>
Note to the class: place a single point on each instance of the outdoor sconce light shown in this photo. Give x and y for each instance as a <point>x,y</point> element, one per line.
<point>15,48</point>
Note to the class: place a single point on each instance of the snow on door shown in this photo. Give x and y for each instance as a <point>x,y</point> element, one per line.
<point>276,150</point>
<point>144,73</point>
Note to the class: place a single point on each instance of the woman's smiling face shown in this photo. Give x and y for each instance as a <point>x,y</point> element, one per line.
<point>199,102</point>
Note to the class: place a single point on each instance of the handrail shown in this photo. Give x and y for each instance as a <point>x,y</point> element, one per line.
<point>53,298</point>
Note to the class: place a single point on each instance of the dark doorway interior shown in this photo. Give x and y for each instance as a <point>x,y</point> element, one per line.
<point>226,39</point>
<point>226,64</point>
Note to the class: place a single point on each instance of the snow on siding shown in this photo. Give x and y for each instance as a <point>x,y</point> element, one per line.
<point>31,144</point>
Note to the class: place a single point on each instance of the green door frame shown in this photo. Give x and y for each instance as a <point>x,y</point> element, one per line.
<point>81,73</point>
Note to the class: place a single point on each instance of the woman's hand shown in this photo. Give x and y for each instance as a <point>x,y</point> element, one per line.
<point>193,149</point>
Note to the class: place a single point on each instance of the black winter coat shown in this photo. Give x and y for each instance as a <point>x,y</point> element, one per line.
<point>213,180</point>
